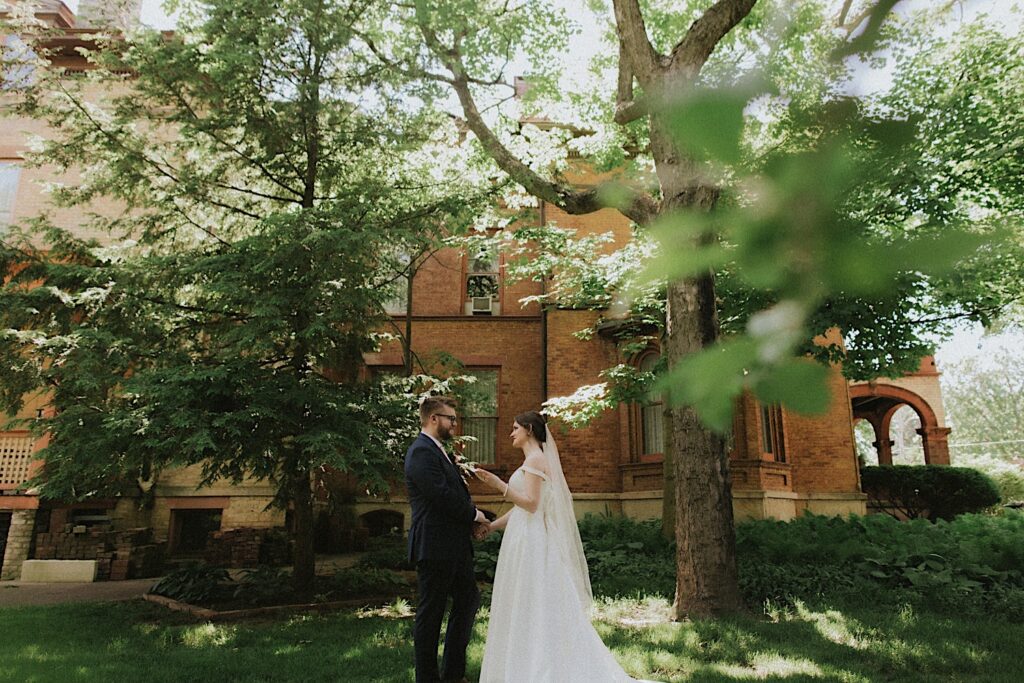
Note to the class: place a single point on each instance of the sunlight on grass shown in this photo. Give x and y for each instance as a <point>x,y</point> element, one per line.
<point>399,609</point>
<point>771,664</point>
<point>207,635</point>
<point>632,612</point>
<point>836,627</point>
<point>35,653</point>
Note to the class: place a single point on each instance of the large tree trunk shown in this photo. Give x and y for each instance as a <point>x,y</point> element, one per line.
<point>706,574</point>
<point>697,460</point>
<point>303,560</point>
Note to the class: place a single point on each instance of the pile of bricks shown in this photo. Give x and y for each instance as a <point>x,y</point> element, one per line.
<point>119,555</point>
<point>247,547</point>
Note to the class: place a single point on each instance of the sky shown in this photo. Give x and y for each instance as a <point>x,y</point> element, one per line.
<point>970,339</point>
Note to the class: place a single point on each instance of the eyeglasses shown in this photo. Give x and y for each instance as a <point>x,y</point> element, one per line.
<point>453,418</point>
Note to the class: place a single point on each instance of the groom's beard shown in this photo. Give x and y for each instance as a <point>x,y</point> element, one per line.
<point>444,433</point>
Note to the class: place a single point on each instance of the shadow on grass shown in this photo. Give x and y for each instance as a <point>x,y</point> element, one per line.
<point>139,641</point>
<point>821,645</point>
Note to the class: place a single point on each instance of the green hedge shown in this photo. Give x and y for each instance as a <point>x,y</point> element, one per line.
<point>931,491</point>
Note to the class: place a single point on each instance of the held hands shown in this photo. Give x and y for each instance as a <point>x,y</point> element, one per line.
<point>481,530</point>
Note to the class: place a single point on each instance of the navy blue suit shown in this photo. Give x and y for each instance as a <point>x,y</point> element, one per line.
<point>441,547</point>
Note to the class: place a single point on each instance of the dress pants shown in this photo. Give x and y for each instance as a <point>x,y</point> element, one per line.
<point>437,581</point>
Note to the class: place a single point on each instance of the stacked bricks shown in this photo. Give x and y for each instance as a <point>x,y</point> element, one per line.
<point>247,547</point>
<point>119,555</point>
<point>19,541</point>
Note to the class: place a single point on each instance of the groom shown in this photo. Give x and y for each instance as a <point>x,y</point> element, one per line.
<point>443,519</point>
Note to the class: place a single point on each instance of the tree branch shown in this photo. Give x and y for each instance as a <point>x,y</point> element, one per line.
<point>700,41</point>
<point>644,61</point>
<point>626,108</point>
<point>639,207</point>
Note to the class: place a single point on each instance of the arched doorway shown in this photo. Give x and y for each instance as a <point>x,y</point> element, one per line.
<point>878,403</point>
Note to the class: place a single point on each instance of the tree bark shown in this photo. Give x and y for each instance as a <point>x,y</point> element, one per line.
<point>304,559</point>
<point>697,460</point>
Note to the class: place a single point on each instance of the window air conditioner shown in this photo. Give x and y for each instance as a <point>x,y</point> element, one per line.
<point>483,305</point>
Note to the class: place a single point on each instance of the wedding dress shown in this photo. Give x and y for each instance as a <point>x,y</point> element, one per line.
<point>540,630</point>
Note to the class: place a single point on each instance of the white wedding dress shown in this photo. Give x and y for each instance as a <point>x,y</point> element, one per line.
<point>540,630</point>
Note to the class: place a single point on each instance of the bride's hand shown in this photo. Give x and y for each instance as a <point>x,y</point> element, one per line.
<point>490,479</point>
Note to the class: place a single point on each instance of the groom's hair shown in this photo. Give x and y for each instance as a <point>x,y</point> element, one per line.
<point>534,423</point>
<point>432,404</point>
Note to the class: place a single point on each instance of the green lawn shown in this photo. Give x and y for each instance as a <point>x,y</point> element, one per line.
<point>140,642</point>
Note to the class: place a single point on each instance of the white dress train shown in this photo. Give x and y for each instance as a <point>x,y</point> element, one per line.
<point>539,632</point>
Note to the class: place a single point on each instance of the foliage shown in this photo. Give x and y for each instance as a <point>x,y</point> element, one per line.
<point>193,583</point>
<point>261,183</point>
<point>906,235</point>
<point>485,556</point>
<point>932,491</point>
<point>363,581</point>
<point>261,585</point>
<point>972,564</point>
<point>387,552</point>
<point>626,557</point>
<point>981,394</point>
<point>969,565</point>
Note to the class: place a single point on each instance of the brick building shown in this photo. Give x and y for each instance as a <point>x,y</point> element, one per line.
<point>782,464</point>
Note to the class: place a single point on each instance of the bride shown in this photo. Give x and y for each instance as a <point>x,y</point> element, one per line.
<point>540,630</point>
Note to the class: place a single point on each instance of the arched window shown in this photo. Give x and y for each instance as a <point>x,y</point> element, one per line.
<point>652,431</point>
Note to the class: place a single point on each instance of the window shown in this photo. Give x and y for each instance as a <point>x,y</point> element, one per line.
<point>9,175</point>
<point>480,415</point>
<point>190,530</point>
<point>652,415</point>
<point>772,441</point>
<point>482,283</point>
<point>17,60</point>
<point>397,303</point>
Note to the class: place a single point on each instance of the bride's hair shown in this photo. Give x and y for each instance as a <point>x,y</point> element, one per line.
<point>535,423</point>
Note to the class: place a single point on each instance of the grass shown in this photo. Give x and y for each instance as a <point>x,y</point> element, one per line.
<point>137,641</point>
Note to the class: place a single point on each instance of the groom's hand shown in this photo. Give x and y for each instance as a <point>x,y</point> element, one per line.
<point>481,530</point>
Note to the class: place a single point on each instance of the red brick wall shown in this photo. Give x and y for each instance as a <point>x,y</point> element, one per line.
<point>439,288</point>
<point>591,456</point>
<point>821,448</point>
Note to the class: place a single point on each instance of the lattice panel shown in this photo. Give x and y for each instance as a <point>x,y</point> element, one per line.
<point>15,458</point>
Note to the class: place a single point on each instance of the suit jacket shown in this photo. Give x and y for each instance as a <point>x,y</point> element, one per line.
<point>442,510</point>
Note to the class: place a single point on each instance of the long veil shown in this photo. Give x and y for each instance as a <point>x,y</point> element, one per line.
<point>563,528</point>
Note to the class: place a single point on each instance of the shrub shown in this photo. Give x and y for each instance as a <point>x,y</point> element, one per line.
<point>196,582</point>
<point>392,554</point>
<point>485,557</point>
<point>262,585</point>
<point>1007,473</point>
<point>625,557</point>
<point>363,581</point>
<point>973,564</point>
<point>935,491</point>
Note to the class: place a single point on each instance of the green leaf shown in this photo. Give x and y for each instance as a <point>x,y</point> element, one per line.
<point>708,124</point>
<point>799,384</point>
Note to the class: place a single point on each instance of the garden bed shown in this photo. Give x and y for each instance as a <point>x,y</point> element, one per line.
<point>227,614</point>
<point>210,592</point>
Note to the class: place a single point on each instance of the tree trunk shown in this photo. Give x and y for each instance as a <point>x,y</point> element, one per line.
<point>668,472</point>
<point>706,574</point>
<point>701,507</point>
<point>303,561</point>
